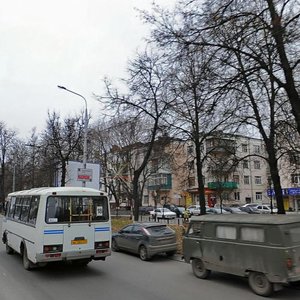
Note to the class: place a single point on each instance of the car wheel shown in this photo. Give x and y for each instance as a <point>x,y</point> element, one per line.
<point>260,284</point>
<point>143,253</point>
<point>9,250</point>
<point>114,246</point>
<point>199,269</point>
<point>27,264</point>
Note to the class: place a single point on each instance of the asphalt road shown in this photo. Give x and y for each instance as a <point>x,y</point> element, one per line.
<point>121,276</point>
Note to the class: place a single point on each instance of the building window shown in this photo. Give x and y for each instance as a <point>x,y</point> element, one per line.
<point>190,149</point>
<point>257,164</point>
<point>146,200</point>
<point>191,181</point>
<point>296,178</point>
<point>236,178</point>
<point>246,179</point>
<point>245,148</point>
<point>256,149</point>
<point>237,196</point>
<point>245,164</point>
<point>225,196</point>
<point>258,196</point>
<point>257,180</point>
<point>294,158</point>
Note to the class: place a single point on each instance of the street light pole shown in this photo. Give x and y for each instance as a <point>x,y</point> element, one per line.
<point>86,120</point>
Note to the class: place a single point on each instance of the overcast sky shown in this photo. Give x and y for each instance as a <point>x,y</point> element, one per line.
<point>74,43</point>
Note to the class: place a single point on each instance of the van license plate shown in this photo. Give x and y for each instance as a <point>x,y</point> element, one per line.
<point>78,242</point>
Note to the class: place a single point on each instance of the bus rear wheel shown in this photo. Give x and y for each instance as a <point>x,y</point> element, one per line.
<point>9,250</point>
<point>27,264</point>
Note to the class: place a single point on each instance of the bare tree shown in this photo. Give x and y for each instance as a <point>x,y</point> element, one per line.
<point>252,58</point>
<point>113,144</point>
<point>7,137</point>
<point>63,140</point>
<point>147,99</point>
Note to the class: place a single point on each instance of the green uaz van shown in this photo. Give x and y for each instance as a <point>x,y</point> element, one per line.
<point>264,248</point>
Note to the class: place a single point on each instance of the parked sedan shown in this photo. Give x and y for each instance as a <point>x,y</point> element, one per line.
<point>194,210</point>
<point>145,210</point>
<point>162,213</point>
<point>215,210</point>
<point>235,210</point>
<point>145,239</point>
<point>266,209</point>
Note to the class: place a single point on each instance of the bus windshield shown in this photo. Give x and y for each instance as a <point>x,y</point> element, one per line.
<point>66,209</point>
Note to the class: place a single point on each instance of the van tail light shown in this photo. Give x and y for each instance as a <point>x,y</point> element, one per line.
<point>102,245</point>
<point>289,263</point>
<point>52,248</point>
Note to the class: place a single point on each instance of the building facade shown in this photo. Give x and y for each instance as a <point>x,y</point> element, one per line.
<point>234,167</point>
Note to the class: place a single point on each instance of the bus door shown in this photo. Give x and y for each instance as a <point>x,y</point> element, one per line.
<point>78,236</point>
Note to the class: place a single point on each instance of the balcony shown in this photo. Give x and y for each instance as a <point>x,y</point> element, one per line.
<point>222,185</point>
<point>160,182</point>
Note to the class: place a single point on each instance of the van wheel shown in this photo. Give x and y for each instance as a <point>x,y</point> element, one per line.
<point>260,284</point>
<point>9,250</point>
<point>27,264</point>
<point>199,269</point>
<point>143,253</point>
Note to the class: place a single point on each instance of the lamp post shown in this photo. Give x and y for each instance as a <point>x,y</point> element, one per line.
<point>86,120</point>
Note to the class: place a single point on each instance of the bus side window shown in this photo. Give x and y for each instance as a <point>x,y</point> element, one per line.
<point>25,209</point>
<point>11,207</point>
<point>33,210</point>
<point>18,208</point>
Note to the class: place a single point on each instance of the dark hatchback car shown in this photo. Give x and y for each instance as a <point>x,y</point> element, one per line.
<point>145,239</point>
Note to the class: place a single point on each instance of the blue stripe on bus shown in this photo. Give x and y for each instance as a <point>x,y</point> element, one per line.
<point>53,231</point>
<point>102,229</point>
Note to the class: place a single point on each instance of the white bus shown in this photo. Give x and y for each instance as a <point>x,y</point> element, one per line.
<point>57,224</point>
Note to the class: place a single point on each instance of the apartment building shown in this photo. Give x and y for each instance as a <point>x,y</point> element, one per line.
<point>289,171</point>
<point>234,170</point>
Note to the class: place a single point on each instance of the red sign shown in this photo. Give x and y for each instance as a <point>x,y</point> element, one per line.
<point>85,175</point>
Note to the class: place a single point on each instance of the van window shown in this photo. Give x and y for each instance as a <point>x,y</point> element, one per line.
<point>295,235</point>
<point>195,229</point>
<point>226,232</point>
<point>252,234</point>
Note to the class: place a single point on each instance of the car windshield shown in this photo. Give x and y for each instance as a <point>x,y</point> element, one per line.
<point>159,230</point>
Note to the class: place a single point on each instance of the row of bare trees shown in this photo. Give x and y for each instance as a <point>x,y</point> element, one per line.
<point>216,66</point>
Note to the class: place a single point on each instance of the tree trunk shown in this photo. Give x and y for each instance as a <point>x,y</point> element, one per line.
<point>275,178</point>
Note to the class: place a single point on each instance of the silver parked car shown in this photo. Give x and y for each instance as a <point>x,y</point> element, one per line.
<point>162,213</point>
<point>145,239</point>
